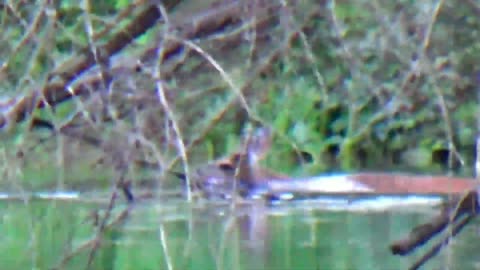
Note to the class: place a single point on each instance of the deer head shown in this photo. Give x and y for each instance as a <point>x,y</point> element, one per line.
<point>239,171</point>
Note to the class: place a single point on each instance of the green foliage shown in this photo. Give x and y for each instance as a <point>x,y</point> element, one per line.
<point>344,96</point>
<point>357,87</point>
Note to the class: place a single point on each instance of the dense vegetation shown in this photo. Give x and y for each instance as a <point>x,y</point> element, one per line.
<point>100,90</point>
<point>348,85</point>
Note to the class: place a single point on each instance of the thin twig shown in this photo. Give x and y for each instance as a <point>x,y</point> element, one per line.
<point>103,224</point>
<point>90,243</point>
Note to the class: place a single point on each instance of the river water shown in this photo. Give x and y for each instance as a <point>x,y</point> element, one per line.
<point>49,230</point>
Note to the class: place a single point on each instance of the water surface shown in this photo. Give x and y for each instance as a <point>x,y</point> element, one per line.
<point>160,233</point>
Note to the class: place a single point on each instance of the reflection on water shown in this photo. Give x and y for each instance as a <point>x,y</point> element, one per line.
<point>327,233</point>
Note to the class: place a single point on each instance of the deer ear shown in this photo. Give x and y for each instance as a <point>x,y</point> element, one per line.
<point>229,163</point>
<point>226,166</point>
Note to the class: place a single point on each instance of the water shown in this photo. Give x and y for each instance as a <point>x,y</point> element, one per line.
<point>319,233</point>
